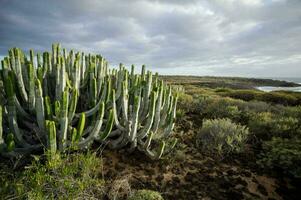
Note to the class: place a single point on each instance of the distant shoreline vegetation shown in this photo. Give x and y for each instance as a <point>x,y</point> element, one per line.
<point>233,82</point>
<point>288,79</point>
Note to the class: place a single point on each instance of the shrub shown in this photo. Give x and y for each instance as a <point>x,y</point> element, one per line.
<point>246,95</point>
<point>214,108</point>
<point>284,154</point>
<point>266,125</point>
<point>292,111</point>
<point>180,114</point>
<point>222,136</point>
<point>75,175</point>
<point>218,90</point>
<point>186,102</point>
<point>146,195</point>
<point>279,98</point>
<point>255,106</point>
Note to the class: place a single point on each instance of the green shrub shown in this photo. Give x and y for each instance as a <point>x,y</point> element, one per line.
<point>279,98</point>
<point>293,111</point>
<point>186,102</point>
<point>266,125</point>
<point>255,106</point>
<point>180,114</point>
<point>213,108</point>
<point>146,195</point>
<point>222,136</point>
<point>76,175</point>
<point>218,90</point>
<point>284,154</point>
<point>246,95</point>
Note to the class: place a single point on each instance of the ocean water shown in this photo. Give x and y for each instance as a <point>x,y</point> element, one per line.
<point>293,79</point>
<point>270,88</point>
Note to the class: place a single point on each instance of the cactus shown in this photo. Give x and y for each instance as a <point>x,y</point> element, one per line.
<point>72,100</point>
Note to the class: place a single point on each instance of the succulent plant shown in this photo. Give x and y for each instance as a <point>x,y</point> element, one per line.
<point>72,100</point>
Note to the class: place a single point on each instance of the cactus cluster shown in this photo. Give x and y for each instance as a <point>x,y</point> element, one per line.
<point>63,100</point>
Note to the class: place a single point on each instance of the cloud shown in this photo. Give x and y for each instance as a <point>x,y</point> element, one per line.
<point>210,37</point>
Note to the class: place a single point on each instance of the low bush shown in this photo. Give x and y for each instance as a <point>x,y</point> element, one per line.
<point>246,95</point>
<point>277,97</point>
<point>292,111</point>
<point>186,102</point>
<point>266,125</point>
<point>146,195</point>
<point>222,137</point>
<point>76,175</point>
<point>255,106</point>
<point>213,108</point>
<point>284,154</point>
<point>222,90</point>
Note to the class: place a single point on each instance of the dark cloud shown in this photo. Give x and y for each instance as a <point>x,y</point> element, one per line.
<point>210,37</point>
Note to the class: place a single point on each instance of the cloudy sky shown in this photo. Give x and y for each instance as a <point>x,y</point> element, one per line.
<point>258,38</point>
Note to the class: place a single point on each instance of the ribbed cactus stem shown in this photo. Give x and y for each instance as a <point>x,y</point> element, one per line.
<point>103,135</point>
<point>149,140</point>
<point>31,56</point>
<point>82,67</point>
<point>40,74</point>
<point>62,79</point>
<point>73,105</point>
<point>93,91</point>
<point>76,72</point>
<point>81,126</point>
<point>118,125</point>
<point>134,118</point>
<point>151,113</point>
<point>154,155</point>
<point>51,142</point>
<point>57,108</point>
<point>143,72</point>
<point>95,130</point>
<point>48,108</point>
<point>31,81</point>
<point>146,94</point>
<point>108,91</point>
<point>63,121</point>
<point>120,79</point>
<point>58,86</point>
<point>10,142</point>
<point>166,106</point>
<point>40,111</point>
<point>12,115</point>
<point>39,63</point>
<point>11,59</point>
<point>73,136</point>
<point>54,54</point>
<point>124,101</point>
<point>170,122</point>
<point>18,72</point>
<point>158,108</point>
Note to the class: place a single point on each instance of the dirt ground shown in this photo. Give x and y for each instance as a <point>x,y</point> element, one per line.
<point>189,174</point>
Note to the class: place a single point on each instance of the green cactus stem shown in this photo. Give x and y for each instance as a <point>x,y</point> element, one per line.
<point>69,100</point>
<point>51,130</point>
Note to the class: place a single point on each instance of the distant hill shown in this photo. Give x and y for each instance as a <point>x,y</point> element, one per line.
<point>230,82</point>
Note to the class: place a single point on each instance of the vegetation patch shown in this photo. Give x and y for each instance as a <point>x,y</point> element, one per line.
<point>68,177</point>
<point>222,137</point>
<point>146,195</point>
